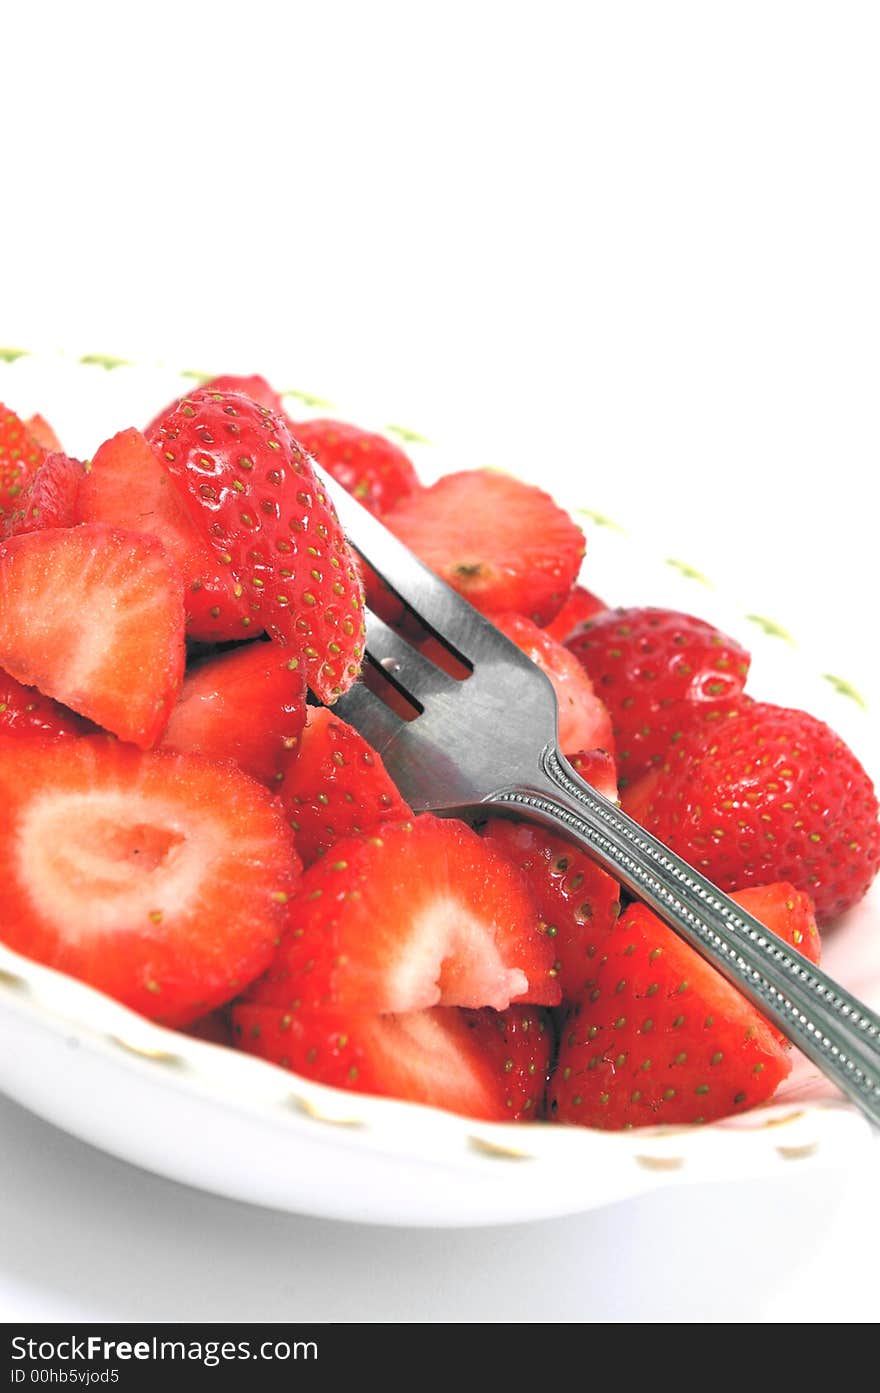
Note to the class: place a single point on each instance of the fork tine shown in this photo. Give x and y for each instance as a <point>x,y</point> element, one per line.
<point>403,664</point>
<point>439,607</point>
<point>375,721</point>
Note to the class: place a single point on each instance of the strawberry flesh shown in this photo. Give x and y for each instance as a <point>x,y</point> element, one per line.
<point>420,914</point>
<point>504,545</point>
<point>157,877</point>
<point>93,616</point>
<point>377,472</point>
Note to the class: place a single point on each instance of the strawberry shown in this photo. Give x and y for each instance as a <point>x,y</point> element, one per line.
<point>158,878</point>
<point>584,722</point>
<point>49,499</point>
<point>596,767</point>
<point>127,486</point>
<point>769,794</point>
<point>502,544</point>
<point>248,704</point>
<point>581,604</point>
<point>334,785</point>
<point>485,1064</point>
<point>421,913</point>
<point>577,901</point>
<point>654,669</point>
<point>253,493</point>
<point>215,1028</point>
<point>790,913</point>
<point>255,387</point>
<point>20,456</point>
<point>39,430</point>
<point>93,617</point>
<point>25,711</point>
<point>373,469</point>
<point>660,1037</point>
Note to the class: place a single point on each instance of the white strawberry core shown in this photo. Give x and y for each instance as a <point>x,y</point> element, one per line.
<point>103,861</point>
<point>451,959</point>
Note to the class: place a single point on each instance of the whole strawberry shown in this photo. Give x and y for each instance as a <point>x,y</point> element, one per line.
<point>372,468</point>
<point>252,491</point>
<point>655,669</point>
<point>767,794</point>
<point>20,457</point>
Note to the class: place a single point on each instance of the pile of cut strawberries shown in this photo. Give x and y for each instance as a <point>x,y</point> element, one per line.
<point>186,825</point>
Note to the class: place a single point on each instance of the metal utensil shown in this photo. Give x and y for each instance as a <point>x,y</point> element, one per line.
<point>490,741</point>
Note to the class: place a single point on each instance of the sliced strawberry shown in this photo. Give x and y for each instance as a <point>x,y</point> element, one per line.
<point>420,914</point>
<point>584,720</point>
<point>577,901</point>
<point>248,705</point>
<point>215,1027</point>
<point>581,604</point>
<point>25,711</point>
<point>655,669</point>
<point>20,457</point>
<point>93,617</point>
<point>661,1037</point>
<point>127,486</point>
<point>252,491</point>
<point>50,497</point>
<point>788,912</point>
<point>504,545</point>
<point>372,468</point>
<point>157,877</point>
<point>767,793</point>
<point>334,785</point>
<point>597,768</point>
<point>38,429</point>
<point>484,1064</point>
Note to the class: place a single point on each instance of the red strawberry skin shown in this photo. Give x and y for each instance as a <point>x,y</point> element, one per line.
<point>93,616</point>
<point>578,902</point>
<point>504,545</point>
<point>248,705</point>
<point>25,711</point>
<point>656,669</point>
<point>377,472</point>
<point>255,386</point>
<point>584,722</point>
<point>20,457</point>
<point>334,785</point>
<point>790,913</point>
<point>159,878</point>
<point>253,492</point>
<point>49,499</point>
<point>485,1064</point>
<point>420,914</point>
<point>127,486</point>
<point>660,1037</point>
<point>770,794</point>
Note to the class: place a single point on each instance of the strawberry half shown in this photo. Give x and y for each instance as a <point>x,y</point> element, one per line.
<point>93,617</point>
<point>767,794</point>
<point>25,711</point>
<point>661,1037</point>
<point>335,785</point>
<point>656,669</point>
<point>422,913</point>
<point>584,722</point>
<point>373,469</point>
<point>127,486</point>
<point>252,491</point>
<point>49,499</point>
<point>577,901</point>
<point>504,545</point>
<point>485,1064</point>
<point>248,705</point>
<point>20,457</point>
<point>158,878</point>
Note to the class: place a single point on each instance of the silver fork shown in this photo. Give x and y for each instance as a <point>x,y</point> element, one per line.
<point>490,741</point>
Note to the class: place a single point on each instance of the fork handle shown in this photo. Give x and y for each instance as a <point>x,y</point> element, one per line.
<point>831,1027</point>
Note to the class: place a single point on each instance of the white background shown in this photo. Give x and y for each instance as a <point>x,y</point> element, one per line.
<point>636,244</point>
